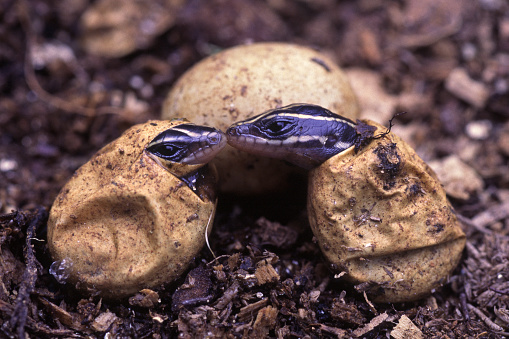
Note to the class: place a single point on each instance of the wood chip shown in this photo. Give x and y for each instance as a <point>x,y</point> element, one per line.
<point>248,312</point>
<point>460,180</point>
<point>371,325</point>
<point>265,321</point>
<point>431,303</point>
<point>426,22</point>
<point>491,215</point>
<point>347,313</point>
<point>378,105</point>
<point>265,274</point>
<point>370,47</point>
<point>406,329</point>
<point>104,321</point>
<point>502,314</point>
<point>503,29</point>
<point>340,333</point>
<point>503,140</point>
<point>374,101</point>
<point>228,295</point>
<point>462,86</point>
<point>62,315</point>
<point>145,298</point>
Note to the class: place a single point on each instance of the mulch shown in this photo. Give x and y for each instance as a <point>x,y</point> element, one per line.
<point>65,93</point>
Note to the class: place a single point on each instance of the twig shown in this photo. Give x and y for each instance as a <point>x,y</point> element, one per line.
<point>217,258</point>
<point>8,216</point>
<point>373,309</point>
<point>371,325</point>
<point>470,223</point>
<point>207,232</point>
<point>464,307</point>
<point>484,318</point>
<point>487,217</point>
<point>20,314</point>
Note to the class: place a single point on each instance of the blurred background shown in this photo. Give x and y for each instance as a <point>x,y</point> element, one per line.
<point>76,73</point>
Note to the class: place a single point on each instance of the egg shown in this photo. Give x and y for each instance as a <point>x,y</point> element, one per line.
<point>240,82</point>
<point>125,221</point>
<point>382,217</point>
<point>377,210</point>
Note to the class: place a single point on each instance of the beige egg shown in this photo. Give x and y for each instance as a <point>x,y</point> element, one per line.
<point>382,217</point>
<point>124,222</point>
<point>243,81</point>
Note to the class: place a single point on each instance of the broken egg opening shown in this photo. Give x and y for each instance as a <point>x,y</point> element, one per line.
<point>120,217</point>
<point>242,81</point>
<point>387,197</point>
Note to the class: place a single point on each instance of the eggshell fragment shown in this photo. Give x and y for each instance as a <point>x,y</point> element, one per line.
<point>382,216</point>
<point>243,81</point>
<point>124,222</point>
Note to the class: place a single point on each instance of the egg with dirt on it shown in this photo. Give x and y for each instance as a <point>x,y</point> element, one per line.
<point>136,214</point>
<point>377,210</point>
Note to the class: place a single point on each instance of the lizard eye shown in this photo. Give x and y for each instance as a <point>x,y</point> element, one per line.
<point>167,151</point>
<point>279,127</point>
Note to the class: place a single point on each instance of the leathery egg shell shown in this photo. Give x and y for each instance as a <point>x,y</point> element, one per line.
<point>240,82</point>
<point>125,223</point>
<point>382,217</point>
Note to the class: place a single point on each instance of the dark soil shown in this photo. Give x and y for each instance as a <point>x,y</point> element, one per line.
<point>444,62</point>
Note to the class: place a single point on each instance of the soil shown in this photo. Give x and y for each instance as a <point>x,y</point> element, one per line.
<point>68,88</point>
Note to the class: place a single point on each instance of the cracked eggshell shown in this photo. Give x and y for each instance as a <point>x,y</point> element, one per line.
<point>242,82</point>
<point>382,216</point>
<point>124,222</point>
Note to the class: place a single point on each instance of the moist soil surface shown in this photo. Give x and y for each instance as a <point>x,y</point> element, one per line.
<point>67,88</point>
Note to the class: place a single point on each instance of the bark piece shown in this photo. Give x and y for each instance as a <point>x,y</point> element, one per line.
<point>265,274</point>
<point>464,87</point>
<point>460,180</point>
<point>406,329</point>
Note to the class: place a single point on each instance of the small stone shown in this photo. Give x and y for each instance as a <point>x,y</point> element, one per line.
<point>479,130</point>
<point>8,165</point>
<point>51,53</point>
<point>468,51</point>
